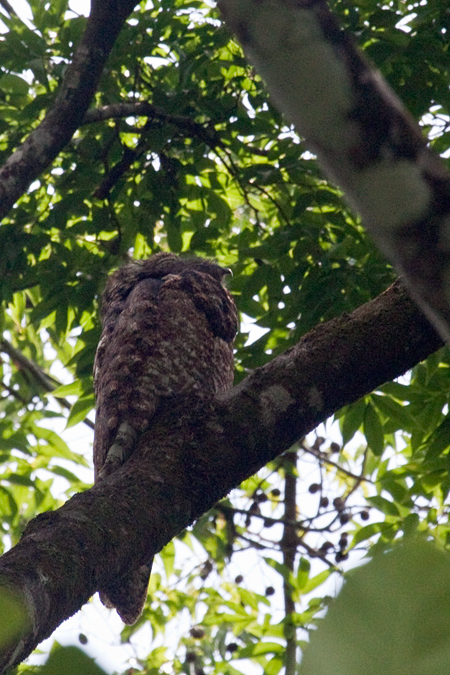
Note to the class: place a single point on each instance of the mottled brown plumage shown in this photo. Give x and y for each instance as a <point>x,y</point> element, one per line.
<point>168,329</point>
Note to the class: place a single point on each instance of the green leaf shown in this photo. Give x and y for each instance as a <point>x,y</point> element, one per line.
<point>304,567</point>
<point>80,410</point>
<point>56,446</point>
<point>383,505</point>
<point>72,389</point>
<point>70,661</point>
<point>13,84</point>
<point>18,621</point>
<point>252,599</point>
<point>391,617</point>
<point>316,581</point>
<point>351,419</point>
<point>279,567</point>
<point>261,648</point>
<point>373,430</point>
<point>396,412</point>
<point>168,558</point>
<point>274,666</point>
<point>65,473</point>
<point>439,440</point>
<point>366,532</point>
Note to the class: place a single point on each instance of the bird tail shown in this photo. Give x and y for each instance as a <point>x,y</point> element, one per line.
<point>128,595</point>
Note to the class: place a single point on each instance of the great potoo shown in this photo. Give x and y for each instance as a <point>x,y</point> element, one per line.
<point>168,329</point>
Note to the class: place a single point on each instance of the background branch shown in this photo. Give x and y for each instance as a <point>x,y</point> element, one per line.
<point>364,138</point>
<point>47,382</point>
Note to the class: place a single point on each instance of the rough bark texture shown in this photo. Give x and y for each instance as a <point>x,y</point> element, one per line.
<point>365,139</point>
<point>197,452</point>
<point>63,119</point>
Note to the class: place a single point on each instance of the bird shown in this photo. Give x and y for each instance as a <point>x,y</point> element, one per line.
<point>168,328</point>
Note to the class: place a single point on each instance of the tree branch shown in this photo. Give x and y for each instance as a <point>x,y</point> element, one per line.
<point>7,7</point>
<point>63,119</point>
<point>46,382</point>
<point>288,545</point>
<point>322,457</point>
<point>204,132</point>
<point>365,139</point>
<point>197,451</point>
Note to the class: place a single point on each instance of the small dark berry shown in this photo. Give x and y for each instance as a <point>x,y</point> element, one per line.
<point>364,515</point>
<point>190,657</point>
<point>324,502</point>
<point>83,639</point>
<point>334,447</point>
<point>314,487</point>
<point>344,518</point>
<point>338,503</point>
<point>326,546</point>
<point>261,498</point>
<point>239,579</point>
<point>232,647</point>
<point>197,632</point>
<point>206,569</point>
<point>275,492</point>
<point>270,590</point>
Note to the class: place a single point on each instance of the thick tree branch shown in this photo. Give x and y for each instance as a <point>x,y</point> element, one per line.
<point>63,119</point>
<point>364,138</point>
<point>196,453</point>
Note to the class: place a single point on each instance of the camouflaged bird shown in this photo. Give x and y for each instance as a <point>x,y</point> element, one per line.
<point>168,328</point>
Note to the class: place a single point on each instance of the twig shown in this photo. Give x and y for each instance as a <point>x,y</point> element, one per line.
<point>323,458</point>
<point>205,132</point>
<point>13,392</point>
<point>7,7</point>
<point>47,382</point>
